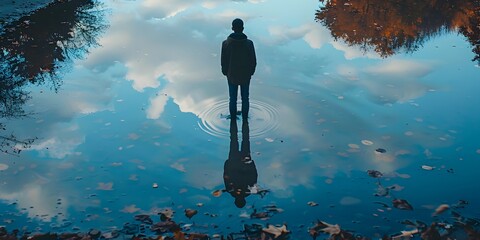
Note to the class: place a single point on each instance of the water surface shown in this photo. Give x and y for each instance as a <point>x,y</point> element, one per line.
<point>119,108</point>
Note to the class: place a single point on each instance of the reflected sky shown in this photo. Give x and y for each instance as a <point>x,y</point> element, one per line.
<point>148,106</point>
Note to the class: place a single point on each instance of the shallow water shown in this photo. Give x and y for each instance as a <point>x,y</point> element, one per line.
<point>141,101</point>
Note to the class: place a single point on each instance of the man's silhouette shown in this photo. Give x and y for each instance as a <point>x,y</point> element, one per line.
<point>239,171</point>
<point>238,64</point>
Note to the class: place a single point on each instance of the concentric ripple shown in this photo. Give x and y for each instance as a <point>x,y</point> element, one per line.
<point>215,121</point>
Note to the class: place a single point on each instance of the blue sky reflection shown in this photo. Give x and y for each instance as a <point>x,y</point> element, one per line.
<point>130,115</point>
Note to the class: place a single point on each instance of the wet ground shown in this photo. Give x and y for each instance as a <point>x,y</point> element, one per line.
<point>363,120</point>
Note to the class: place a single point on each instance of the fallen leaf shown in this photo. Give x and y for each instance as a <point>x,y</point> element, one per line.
<point>3,166</point>
<point>190,213</point>
<point>105,186</point>
<point>276,231</point>
<point>144,218</point>
<point>166,214</point>
<point>130,209</point>
<point>326,228</point>
<point>441,209</point>
<point>431,233</point>
<point>428,168</point>
<point>367,142</point>
<point>405,234</point>
<point>380,150</point>
<point>374,173</point>
<point>217,193</point>
<point>402,204</point>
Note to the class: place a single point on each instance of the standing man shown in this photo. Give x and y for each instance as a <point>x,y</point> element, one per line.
<point>238,64</point>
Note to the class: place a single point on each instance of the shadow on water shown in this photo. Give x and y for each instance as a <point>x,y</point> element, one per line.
<point>390,27</point>
<point>35,48</point>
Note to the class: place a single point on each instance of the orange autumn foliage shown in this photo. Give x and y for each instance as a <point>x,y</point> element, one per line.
<point>390,26</point>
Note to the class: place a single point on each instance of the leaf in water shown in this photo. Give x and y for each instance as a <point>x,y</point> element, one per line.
<point>383,204</point>
<point>325,227</point>
<point>408,222</point>
<point>441,209</point>
<point>133,177</point>
<point>460,204</point>
<point>189,213</point>
<point>217,193</point>
<point>402,204</point>
<point>105,186</point>
<point>431,233</point>
<point>130,209</point>
<point>374,173</point>
<point>276,231</point>
<point>428,168</point>
<point>382,191</point>
<point>353,145</point>
<point>166,213</point>
<point>272,209</point>
<point>178,166</point>
<point>349,201</point>
<point>367,142</point>
<point>144,218</point>
<point>164,226</point>
<point>405,234</point>
<point>260,215</point>
<point>380,150</point>
<point>3,166</point>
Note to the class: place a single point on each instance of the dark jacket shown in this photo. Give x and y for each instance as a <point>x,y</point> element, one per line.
<point>238,59</point>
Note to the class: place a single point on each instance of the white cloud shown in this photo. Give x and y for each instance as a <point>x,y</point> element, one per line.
<point>157,106</point>
<point>37,203</point>
<point>164,8</point>
<point>352,52</point>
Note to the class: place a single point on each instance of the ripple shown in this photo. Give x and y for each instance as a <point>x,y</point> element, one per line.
<point>263,118</point>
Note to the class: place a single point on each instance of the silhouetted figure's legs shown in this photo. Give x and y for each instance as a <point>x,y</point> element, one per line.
<point>233,91</point>
<point>244,90</point>
<point>245,151</point>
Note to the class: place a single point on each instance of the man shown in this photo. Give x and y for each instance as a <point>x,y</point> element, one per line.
<point>238,64</point>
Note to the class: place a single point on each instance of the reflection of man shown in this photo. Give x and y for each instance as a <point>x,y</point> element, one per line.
<point>239,171</point>
<point>238,64</point>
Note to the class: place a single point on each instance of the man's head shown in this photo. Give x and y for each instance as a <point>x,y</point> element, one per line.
<point>237,25</point>
<point>240,201</point>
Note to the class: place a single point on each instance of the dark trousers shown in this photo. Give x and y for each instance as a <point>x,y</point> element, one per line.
<point>233,91</point>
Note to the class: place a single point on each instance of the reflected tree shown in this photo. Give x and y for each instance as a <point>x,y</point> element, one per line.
<point>10,144</point>
<point>392,26</point>
<point>34,50</point>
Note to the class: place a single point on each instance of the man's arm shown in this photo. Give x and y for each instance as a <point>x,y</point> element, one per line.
<point>224,59</point>
<point>253,58</point>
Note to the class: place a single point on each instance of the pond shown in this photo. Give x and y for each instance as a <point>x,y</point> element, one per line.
<point>363,119</point>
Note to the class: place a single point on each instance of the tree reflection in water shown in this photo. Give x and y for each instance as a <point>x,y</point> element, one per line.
<point>35,48</point>
<point>392,26</point>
